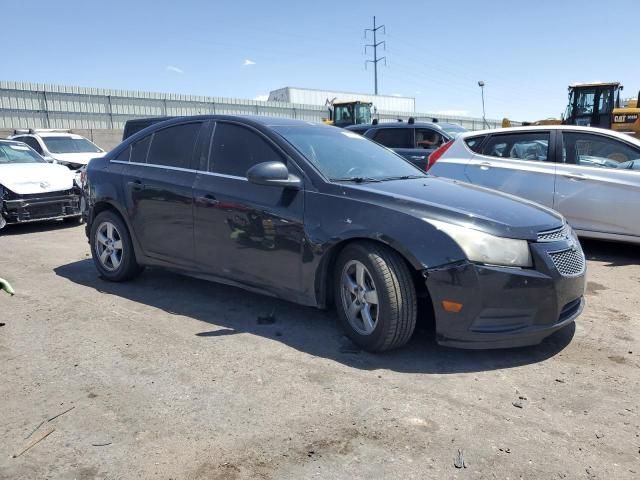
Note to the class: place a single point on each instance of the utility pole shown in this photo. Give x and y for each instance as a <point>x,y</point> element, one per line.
<point>484,120</point>
<point>375,46</point>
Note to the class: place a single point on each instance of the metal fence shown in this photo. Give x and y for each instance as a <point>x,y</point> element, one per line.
<point>31,105</point>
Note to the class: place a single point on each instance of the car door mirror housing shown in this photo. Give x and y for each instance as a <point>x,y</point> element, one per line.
<point>273,174</point>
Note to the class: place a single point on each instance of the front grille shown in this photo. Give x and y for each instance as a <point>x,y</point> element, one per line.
<point>569,262</point>
<point>553,235</point>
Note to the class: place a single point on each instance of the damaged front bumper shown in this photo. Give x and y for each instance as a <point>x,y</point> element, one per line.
<point>33,208</point>
<point>504,307</point>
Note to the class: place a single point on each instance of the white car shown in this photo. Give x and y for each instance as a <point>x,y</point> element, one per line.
<point>60,146</point>
<point>589,175</point>
<point>32,189</point>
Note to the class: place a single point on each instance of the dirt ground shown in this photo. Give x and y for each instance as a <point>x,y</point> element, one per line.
<point>175,378</point>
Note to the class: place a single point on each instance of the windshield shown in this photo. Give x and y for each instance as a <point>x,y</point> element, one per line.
<point>18,153</point>
<point>343,155</point>
<point>70,145</point>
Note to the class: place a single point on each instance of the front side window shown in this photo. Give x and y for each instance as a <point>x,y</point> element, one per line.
<point>394,137</point>
<point>16,153</point>
<point>70,145</point>
<point>343,155</point>
<point>429,139</point>
<point>522,146</point>
<point>236,149</point>
<point>591,150</point>
<point>174,146</point>
<point>605,105</point>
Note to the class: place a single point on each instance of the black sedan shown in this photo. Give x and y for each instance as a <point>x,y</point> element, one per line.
<point>319,215</point>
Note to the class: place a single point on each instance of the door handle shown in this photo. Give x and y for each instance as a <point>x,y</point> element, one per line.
<point>485,165</point>
<point>574,176</point>
<point>136,185</point>
<point>209,199</point>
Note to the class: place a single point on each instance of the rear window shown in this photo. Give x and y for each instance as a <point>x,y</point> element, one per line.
<point>173,146</point>
<point>474,143</point>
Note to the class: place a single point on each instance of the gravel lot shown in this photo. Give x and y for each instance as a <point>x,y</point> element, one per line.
<point>175,378</point>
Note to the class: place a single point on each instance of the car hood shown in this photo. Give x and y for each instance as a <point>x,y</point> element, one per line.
<point>33,178</point>
<point>464,204</point>
<point>79,158</point>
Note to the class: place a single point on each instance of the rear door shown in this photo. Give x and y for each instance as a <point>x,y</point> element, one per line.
<point>520,163</point>
<point>249,233</point>
<point>598,185</point>
<point>158,182</point>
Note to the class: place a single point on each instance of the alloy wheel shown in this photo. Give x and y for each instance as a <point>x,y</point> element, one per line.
<point>359,297</point>
<point>108,245</point>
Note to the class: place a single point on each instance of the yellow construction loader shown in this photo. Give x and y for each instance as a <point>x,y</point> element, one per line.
<point>343,113</point>
<point>597,104</point>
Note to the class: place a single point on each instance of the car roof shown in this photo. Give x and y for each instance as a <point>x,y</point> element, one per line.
<point>8,140</point>
<point>572,128</point>
<point>405,125</point>
<point>256,119</point>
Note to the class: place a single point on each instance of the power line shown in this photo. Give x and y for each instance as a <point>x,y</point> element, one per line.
<point>375,46</point>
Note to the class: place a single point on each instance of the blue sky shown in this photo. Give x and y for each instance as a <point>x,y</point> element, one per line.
<point>526,52</point>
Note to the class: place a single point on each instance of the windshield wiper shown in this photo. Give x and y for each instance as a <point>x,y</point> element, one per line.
<point>402,177</point>
<point>356,179</point>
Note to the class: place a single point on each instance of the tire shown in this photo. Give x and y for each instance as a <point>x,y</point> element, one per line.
<point>390,322</point>
<point>119,265</point>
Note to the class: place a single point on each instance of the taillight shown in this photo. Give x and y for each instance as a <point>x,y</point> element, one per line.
<point>433,158</point>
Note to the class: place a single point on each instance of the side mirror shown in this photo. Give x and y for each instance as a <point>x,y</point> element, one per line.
<point>273,174</point>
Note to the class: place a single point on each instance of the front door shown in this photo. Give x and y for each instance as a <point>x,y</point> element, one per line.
<point>158,181</point>
<point>252,234</point>
<point>520,163</point>
<point>598,184</point>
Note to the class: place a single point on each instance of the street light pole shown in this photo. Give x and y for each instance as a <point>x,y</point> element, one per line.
<point>484,120</point>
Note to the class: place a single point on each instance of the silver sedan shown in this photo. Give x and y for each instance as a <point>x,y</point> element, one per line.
<point>590,175</point>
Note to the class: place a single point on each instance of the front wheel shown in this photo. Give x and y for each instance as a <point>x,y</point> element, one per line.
<point>375,296</point>
<point>112,249</point>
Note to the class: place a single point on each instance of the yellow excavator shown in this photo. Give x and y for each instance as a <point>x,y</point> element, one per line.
<point>597,104</point>
<point>343,113</point>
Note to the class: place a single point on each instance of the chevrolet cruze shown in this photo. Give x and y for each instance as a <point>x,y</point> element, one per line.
<point>319,215</point>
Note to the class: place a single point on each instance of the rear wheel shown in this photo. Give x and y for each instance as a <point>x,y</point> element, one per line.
<point>112,249</point>
<point>375,296</point>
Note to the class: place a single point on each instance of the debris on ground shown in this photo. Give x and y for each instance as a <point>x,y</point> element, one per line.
<point>517,403</point>
<point>100,444</point>
<point>458,462</point>
<point>599,435</point>
<point>34,430</point>
<point>6,286</point>
<point>36,441</point>
<point>559,380</point>
<point>60,414</point>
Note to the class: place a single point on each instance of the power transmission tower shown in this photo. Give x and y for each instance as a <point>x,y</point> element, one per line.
<point>375,46</point>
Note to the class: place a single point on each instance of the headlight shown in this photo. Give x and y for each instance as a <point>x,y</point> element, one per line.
<point>484,248</point>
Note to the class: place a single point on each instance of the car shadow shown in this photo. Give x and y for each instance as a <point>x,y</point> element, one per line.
<point>227,311</point>
<point>613,254</point>
<point>37,227</point>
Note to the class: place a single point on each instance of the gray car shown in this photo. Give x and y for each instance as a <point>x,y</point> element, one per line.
<point>590,175</point>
